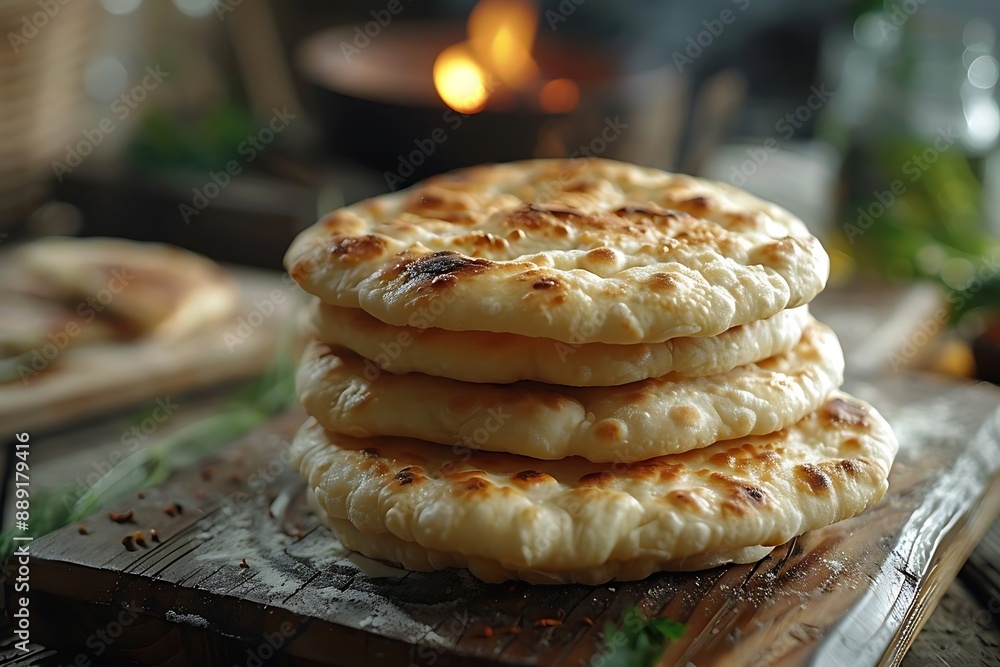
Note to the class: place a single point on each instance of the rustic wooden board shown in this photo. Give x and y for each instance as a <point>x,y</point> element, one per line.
<point>854,593</point>
<point>92,379</point>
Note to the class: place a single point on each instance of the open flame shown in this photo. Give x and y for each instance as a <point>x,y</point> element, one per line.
<point>498,51</point>
<point>459,80</point>
<point>502,33</point>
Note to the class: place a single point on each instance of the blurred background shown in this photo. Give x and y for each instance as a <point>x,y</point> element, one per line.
<point>226,126</point>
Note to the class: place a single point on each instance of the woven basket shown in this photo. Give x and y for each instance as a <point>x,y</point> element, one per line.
<point>42,58</point>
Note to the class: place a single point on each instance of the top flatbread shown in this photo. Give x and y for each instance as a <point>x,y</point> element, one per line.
<point>580,251</point>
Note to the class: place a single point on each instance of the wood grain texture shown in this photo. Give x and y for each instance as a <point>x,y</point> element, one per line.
<point>960,633</point>
<point>853,593</point>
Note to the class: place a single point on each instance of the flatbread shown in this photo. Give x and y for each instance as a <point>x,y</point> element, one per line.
<point>627,423</point>
<point>506,516</point>
<point>486,357</point>
<point>157,290</point>
<point>579,251</point>
<point>30,323</point>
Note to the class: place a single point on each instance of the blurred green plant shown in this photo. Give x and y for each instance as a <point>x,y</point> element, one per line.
<point>914,196</point>
<point>164,140</point>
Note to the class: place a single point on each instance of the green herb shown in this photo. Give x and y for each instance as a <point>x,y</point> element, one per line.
<point>639,642</point>
<point>54,508</point>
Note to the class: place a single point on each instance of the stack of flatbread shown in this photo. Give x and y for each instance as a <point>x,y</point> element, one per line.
<point>574,371</point>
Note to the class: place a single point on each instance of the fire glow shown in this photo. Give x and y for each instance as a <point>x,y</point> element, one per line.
<point>498,53</point>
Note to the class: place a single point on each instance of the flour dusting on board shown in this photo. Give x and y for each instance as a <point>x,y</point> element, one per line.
<point>360,604</point>
<point>321,553</point>
<point>186,619</point>
<point>367,609</point>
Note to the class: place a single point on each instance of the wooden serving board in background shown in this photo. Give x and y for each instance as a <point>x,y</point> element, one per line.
<point>88,380</point>
<point>851,594</point>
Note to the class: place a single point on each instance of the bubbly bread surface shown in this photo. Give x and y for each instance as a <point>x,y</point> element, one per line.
<point>508,516</point>
<point>630,422</point>
<point>579,251</point>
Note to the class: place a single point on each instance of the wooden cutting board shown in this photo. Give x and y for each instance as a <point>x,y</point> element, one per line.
<point>93,379</point>
<point>853,593</point>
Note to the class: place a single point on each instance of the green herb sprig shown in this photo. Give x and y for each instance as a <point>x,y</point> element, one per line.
<point>640,642</point>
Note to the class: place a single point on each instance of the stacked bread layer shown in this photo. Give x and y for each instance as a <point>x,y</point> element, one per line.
<point>574,371</point>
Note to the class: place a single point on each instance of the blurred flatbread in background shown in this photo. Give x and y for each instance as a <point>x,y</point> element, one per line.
<point>156,290</point>
<point>29,322</point>
<point>90,325</point>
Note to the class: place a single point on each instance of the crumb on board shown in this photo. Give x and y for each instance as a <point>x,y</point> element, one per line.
<point>173,509</point>
<point>207,474</point>
<point>121,517</point>
<point>141,495</point>
<point>82,529</point>
<point>487,632</point>
<point>588,621</point>
<point>129,542</point>
<point>140,538</point>
<point>153,535</point>
<point>244,564</point>
<point>547,622</point>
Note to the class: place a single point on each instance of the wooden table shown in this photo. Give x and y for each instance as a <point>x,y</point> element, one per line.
<point>962,630</point>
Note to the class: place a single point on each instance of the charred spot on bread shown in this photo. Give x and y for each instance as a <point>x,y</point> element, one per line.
<point>442,268</point>
<point>530,476</point>
<point>545,283</point>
